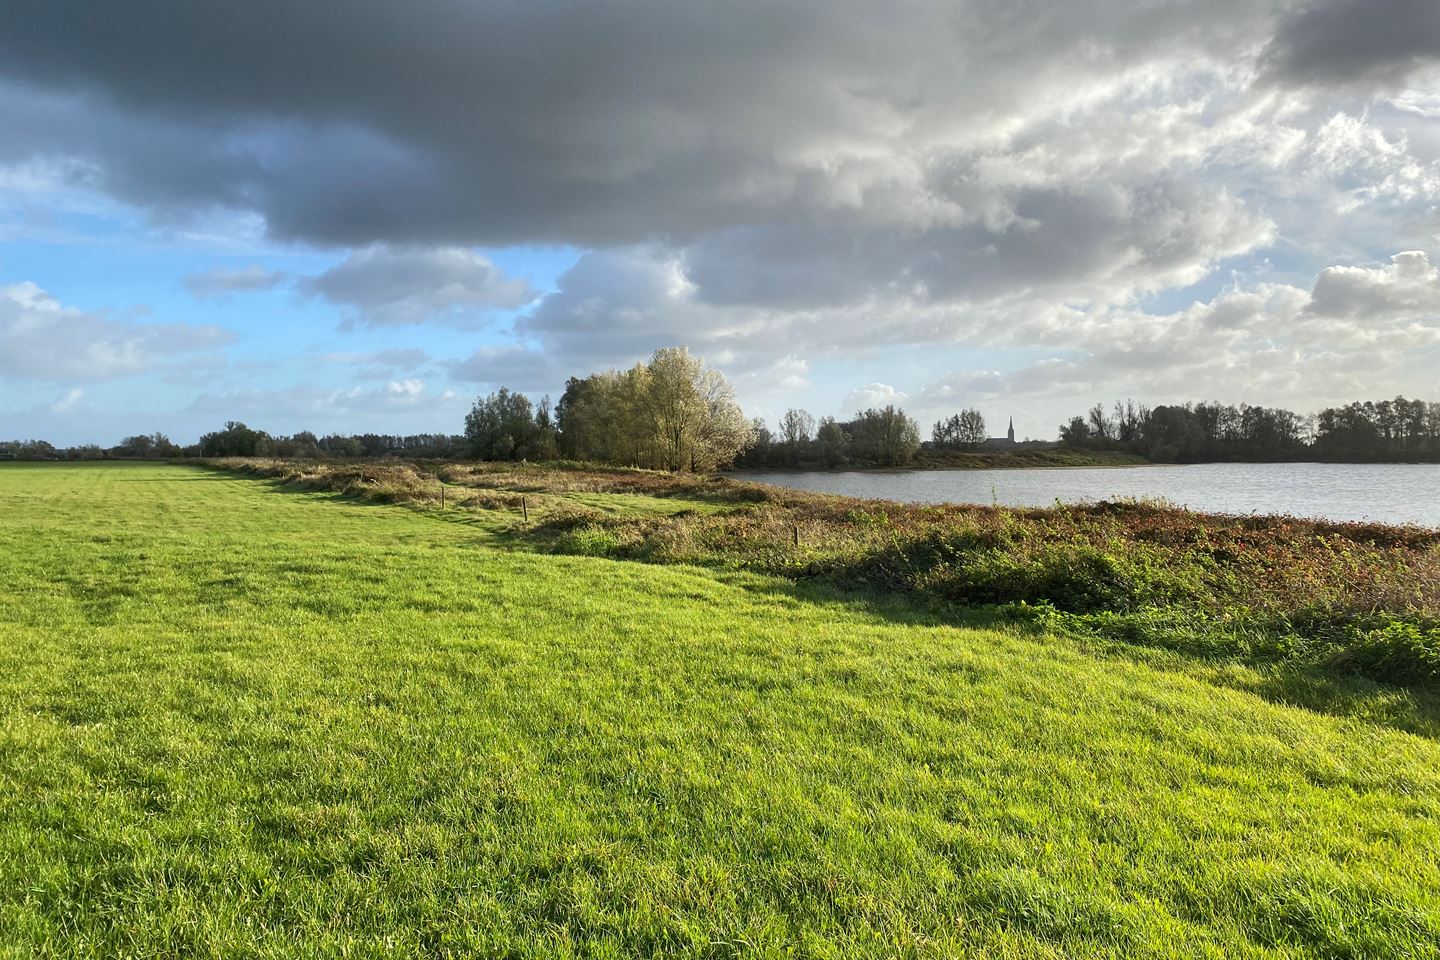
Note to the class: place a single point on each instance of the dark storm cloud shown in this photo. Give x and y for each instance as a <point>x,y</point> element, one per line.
<point>506,122</point>
<point>1343,41</point>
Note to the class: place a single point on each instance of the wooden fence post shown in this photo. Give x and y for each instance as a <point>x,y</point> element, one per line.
<point>524,510</point>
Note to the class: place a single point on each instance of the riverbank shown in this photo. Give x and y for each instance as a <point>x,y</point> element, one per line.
<point>1341,598</point>
<point>1001,460</point>
<point>976,460</point>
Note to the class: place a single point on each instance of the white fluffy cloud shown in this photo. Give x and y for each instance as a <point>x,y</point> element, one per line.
<point>1409,286</point>
<point>224,281</point>
<point>44,340</point>
<point>873,395</point>
<point>1358,332</point>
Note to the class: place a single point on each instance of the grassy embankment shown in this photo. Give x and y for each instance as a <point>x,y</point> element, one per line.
<point>242,718</point>
<point>1000,459</point>
<point>1348,598</point>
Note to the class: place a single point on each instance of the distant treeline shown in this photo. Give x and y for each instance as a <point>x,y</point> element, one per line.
<point>238,440</point>
<point>1372,431</point>
<point>677,413</point>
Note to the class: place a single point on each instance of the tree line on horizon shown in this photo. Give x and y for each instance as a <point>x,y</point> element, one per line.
<point>677,413</point>
<point>1360,432</point>
<point>236,439</point>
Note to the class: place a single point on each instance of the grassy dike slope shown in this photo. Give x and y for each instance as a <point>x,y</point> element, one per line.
<point>241,721</point>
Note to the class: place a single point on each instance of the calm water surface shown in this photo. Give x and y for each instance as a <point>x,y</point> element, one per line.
<point>1385,492</point>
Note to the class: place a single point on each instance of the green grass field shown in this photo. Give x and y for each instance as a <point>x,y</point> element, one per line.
<point>239,720</point>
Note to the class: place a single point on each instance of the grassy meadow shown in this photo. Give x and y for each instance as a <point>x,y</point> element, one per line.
<point>305,712</point>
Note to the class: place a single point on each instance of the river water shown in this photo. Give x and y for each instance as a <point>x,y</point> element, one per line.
<point>1383,492</point>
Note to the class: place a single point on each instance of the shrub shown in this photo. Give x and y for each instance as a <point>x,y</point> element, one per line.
<point>1400,651</point>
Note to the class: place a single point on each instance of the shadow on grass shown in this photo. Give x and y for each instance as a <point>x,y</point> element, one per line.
<point>1412,709</point>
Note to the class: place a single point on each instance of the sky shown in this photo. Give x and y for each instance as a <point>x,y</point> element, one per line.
<point>358,215</point>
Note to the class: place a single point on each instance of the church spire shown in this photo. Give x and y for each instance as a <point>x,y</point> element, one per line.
<point>1010,434</point>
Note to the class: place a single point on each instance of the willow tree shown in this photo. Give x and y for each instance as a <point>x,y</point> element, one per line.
<point>696,422</point>
<point>673,413</point>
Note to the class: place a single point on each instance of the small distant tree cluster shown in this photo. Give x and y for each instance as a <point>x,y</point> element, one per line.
<point>886,436</point>
<point>142,446</point>
<point>506,426</point>
<point>875,437</point>
<point>28,450</point>
<point>796,428</point>
<point>239,440</point>
<point>236,440</point>
<point>961,431</point>
<point>153,446</point>
<point>832,443</point>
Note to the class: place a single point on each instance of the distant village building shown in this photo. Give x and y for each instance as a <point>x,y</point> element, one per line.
<point>1005,442</point>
